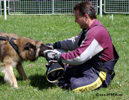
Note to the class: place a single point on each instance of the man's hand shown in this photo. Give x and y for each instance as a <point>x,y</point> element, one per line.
<point>55,45</point>
<point>51,45</point>
<point>50,55</point>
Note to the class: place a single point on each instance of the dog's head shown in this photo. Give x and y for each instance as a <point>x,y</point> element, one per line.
<point>31,49</point>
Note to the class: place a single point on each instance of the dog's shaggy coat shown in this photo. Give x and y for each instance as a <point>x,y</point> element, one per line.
<point>29,49</point>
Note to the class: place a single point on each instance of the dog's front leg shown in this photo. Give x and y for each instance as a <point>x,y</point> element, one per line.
<point>21,71</point>
<point>9,75</point>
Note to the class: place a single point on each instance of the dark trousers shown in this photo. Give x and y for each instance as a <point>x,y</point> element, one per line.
<point>83,78</point>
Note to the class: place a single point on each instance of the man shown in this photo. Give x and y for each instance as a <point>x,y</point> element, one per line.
<point>90,64</point>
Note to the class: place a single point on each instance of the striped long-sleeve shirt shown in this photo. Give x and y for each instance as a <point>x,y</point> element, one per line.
<point>97,41</point>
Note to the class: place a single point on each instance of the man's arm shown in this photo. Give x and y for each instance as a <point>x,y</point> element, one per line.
<point>86,51</point>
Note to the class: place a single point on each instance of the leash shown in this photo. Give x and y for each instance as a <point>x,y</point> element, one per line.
<point>15,47</point>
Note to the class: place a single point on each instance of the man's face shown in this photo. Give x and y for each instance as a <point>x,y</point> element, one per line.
<point>81,20</point>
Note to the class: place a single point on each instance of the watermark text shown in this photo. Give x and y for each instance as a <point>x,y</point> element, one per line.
<point>109,94</point>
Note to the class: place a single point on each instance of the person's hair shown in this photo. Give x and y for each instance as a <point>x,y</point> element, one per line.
<point>86,7</point>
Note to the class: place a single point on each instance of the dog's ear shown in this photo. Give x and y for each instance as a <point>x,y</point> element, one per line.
<point>28,45</point>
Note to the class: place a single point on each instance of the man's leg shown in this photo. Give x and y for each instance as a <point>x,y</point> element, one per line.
<point>82,78</point>
<point>91,80</point>
<point>74,71</point>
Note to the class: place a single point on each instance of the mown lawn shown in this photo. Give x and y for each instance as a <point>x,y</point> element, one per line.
<point>50,29</point>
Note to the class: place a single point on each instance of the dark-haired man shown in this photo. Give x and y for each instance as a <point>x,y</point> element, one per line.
<point>90,64</point>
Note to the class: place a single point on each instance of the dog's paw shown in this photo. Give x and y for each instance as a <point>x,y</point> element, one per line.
<point>15,86</point>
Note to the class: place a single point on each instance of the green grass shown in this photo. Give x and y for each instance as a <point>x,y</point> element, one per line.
<point>51,29</point>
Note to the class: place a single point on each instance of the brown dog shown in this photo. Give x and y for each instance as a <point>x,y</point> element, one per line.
<point>14,50</point>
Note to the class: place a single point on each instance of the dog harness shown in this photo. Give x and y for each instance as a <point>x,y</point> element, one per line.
<point>15,47</point>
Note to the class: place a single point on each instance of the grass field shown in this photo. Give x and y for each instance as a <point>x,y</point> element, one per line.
<point>51,29</point>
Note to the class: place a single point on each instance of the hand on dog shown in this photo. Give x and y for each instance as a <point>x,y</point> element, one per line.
<point>55,45</point>
<point>50,45</point>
